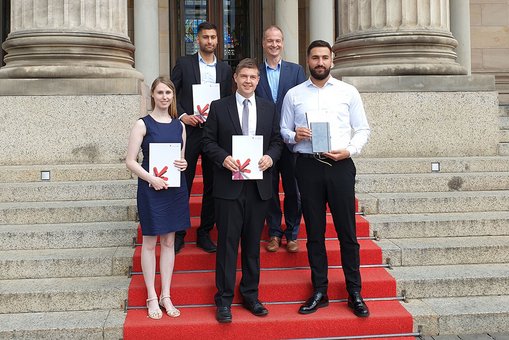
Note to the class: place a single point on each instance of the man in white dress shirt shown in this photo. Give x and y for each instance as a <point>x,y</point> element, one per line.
<point>329,177</point>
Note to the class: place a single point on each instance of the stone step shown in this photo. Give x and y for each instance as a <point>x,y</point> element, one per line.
<point>369,183</point>
<point>446,250</point>
<point>434,202</point>
<point>67,235</point>
<point>97,324</point>
<point>504,136</point>
<point>63,294</point>
<point>461,315</point>
<point>107,172</point>
<point>64,173</point>
<point>452,280</point>
<point>53,263</point>
<point>503,149</point>
<point>67,211</point>
<point>504,122</point>
<point>423,164</point>
<point>440,224</point>
<point>366,183</point>
<point>67,191</point>
<point>504,110</point>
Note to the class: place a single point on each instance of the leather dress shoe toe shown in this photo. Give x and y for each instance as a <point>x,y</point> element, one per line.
<point>292,246</point>
<point>224,314</point>
<point>318,300</point>
<point>256,308</point>
<point>204,242</point>
<point>179,244</point>
<point>356,303</point>
<point>273,244</point>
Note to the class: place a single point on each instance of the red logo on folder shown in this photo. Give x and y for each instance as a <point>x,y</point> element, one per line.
<point>161,173</point>
<point>243,170</point>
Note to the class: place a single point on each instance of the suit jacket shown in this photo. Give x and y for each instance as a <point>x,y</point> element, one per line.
<point>291,75</point>
<point>187,72</point>
<point>222,123</point>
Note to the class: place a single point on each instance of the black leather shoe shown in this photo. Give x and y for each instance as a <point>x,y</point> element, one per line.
<point>356,303</point>
<point>256,308</point>
<point>318,300</point>
<point>179,243</point>
<point>205,243</point>
<point>224,314</point>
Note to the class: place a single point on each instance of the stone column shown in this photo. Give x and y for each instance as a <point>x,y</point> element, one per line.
<point>321,20</point>
<point>69,39</point>
<point>146,38</point>
<point>287,18</point>
<point>460,28</point>
<point>395,37</point>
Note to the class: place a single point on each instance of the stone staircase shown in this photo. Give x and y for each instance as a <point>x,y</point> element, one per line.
<point>65,250</point>
<point>65,244</point>
<point>503,146</point>
<point>446,234</point>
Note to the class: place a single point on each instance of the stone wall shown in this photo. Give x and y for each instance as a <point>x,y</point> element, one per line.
<point>490,42</point>
<point>429,116</point>
<point>66,129</point>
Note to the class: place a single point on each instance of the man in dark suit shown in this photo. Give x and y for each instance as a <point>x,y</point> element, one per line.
<point>202,67</point>
<point>276,78</point>
<point>241,205</point>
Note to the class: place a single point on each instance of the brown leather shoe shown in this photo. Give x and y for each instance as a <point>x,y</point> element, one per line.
<point>292,246</point>
<point>273,244</point>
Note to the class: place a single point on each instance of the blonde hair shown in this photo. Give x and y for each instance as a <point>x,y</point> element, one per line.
<point>172,109</point>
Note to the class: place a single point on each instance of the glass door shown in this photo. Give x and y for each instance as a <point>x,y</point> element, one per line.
<point>4,27</point>
<point>238,23</point>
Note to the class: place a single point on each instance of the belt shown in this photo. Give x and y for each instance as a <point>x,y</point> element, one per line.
<point>306,155</point>
<point>319,157</point>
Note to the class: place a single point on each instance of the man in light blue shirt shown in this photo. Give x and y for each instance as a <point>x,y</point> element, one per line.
<point>277,76</point>
<point>327,178</point>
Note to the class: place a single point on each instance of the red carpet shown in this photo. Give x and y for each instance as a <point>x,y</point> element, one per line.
<point>284,284</point>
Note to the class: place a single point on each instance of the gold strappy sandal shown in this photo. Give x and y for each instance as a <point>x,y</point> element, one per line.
<point>171,311</point>
<point>154,314</point>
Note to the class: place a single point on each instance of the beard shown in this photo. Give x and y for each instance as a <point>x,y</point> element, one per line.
<point>319,76</point>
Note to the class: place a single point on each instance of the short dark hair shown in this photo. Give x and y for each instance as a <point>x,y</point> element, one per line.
<point>205,25</point>
<point>246,63</point>
<point>318,43</point>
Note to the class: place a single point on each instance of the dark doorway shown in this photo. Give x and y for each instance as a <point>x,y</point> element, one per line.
<point>239,26</point>
<point>5,22</point>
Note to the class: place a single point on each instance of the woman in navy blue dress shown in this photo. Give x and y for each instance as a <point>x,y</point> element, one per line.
<point>162,210</point>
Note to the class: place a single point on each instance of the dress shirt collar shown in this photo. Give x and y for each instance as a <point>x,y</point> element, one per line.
<point>278,67</point>
<point>331,81</point>
<point>240,99</point>
<point>201,60</point>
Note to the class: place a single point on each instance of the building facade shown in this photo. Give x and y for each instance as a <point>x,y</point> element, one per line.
<point>399,48</point>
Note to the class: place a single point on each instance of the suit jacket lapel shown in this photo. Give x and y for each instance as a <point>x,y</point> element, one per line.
<point>264,81</point>
<point>234,114</point>
<point>219,75</point>
<point>196,69</point>
<point>260,120</point>
<point>283,71</point>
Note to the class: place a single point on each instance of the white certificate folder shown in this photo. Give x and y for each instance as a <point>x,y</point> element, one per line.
<point>247,152</point>
<point>161,159</point>
<point>203,95</point>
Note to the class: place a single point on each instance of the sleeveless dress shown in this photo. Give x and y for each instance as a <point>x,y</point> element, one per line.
<point>162,211</point>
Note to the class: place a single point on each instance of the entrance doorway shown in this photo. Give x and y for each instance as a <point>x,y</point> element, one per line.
<point>239,24</point>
